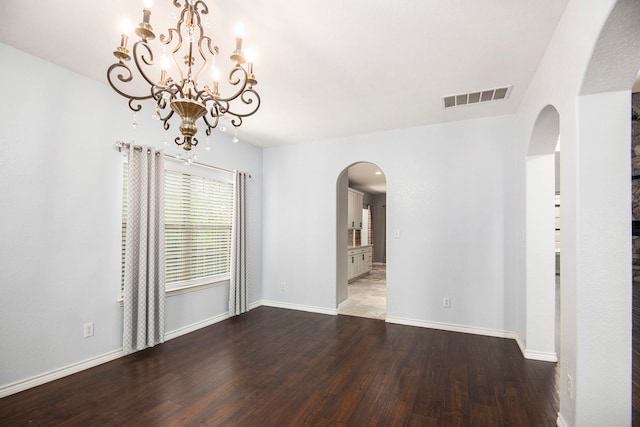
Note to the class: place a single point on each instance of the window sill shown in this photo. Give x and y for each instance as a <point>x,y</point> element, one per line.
<point>178,290</point>
<point>186,289</point>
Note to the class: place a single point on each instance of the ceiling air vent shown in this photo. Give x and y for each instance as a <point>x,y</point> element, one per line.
<point>476,97</point>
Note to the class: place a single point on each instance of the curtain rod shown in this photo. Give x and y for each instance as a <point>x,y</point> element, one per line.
<point>120,145</point>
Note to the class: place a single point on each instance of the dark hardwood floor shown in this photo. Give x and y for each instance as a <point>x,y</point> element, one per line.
<point>276,367</point>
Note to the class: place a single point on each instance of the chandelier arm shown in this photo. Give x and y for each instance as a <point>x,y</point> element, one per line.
<point>214,112</point>
<point>162,101</point>
<point>165,120</point>
<point>247,98</point>
<point>222,105</point>
<point>179,88</point>
<point>168,39</point>
<point>160,93</point>
<point>203,5</point>
<point>212,49</point>
<point>237,120</point>
<point>159,112</point>
<point>202,40</point>
<point>235,81</point>
<point>203,97</point>
<point>124,79</point>
<point>171,88</point>
<point>192,142</point>
<point>141,56</point>
<point>209,125</point>
<point>144,58</point>
<point>137,107</point>
<point>178,142</point>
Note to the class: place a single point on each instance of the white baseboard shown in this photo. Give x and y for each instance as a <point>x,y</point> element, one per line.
<point>523,348</point>
<point>535,355</point>
<point>540,355</point>
<point>527,354</point>
<point>195,326</point>
<point>300,307</point>
<point>452,327</point>
<point>560,422</point>
<point>55,374</point>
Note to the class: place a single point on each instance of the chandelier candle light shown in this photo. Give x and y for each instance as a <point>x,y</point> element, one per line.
<point>182,93</point>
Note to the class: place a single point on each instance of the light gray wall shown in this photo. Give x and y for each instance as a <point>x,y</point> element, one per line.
<point>367,199</point>
<point>60,222</point>
<point>342,241</point>
<point>446,193</point>
<point>595,188</point>
<point>557,171</point>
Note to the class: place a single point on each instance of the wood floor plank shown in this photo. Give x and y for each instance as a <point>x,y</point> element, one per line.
<point>371,406</point>
<point>276,367</point>
<point>418,420</point>
<point>510,404</point>
<point>395,413</point>
<point>484,415</point>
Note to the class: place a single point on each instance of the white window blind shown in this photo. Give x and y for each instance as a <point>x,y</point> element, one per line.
<point>198,213</point>
<point>198,209</point>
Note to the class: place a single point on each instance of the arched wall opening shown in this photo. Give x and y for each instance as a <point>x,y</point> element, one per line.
<point>369,180</point>
<point>596,349</point>
<point>540,319</point>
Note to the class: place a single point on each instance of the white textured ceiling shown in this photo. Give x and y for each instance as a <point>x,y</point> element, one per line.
<point>326,68</point>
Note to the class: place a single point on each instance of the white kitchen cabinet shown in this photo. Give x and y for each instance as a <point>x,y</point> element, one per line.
<point>359,262</point>
<point>352,266</point>
<point>354,203</point>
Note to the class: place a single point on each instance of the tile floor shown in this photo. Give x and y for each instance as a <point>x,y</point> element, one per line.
<point>368,295</point>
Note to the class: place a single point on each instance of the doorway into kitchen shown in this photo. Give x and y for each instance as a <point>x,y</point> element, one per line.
<point>543,305</point>
<point>361,241</point>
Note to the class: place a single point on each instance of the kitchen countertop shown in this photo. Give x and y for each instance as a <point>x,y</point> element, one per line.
<point>359,247</point>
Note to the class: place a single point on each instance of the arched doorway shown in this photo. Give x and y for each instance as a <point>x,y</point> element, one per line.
<point>360,241</point>
<point>598,334</point>
<point>541,314</point>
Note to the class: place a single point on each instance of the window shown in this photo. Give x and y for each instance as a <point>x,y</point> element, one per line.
<point>198,209</point>
<point>198,215</point>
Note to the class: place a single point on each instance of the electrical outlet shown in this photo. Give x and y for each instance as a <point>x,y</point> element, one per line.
<point>570,386</point>
<point>283,286</point>
<point>446,302</point>
<point>88,329</point>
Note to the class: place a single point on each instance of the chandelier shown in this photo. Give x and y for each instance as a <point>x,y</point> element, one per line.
<point>188,59</point>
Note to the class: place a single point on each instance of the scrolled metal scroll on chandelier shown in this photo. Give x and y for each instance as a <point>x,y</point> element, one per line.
<point>183,93</point>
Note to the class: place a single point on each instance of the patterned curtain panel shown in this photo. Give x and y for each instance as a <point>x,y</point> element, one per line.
<point>238,292</point>
<point>144,251</point>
